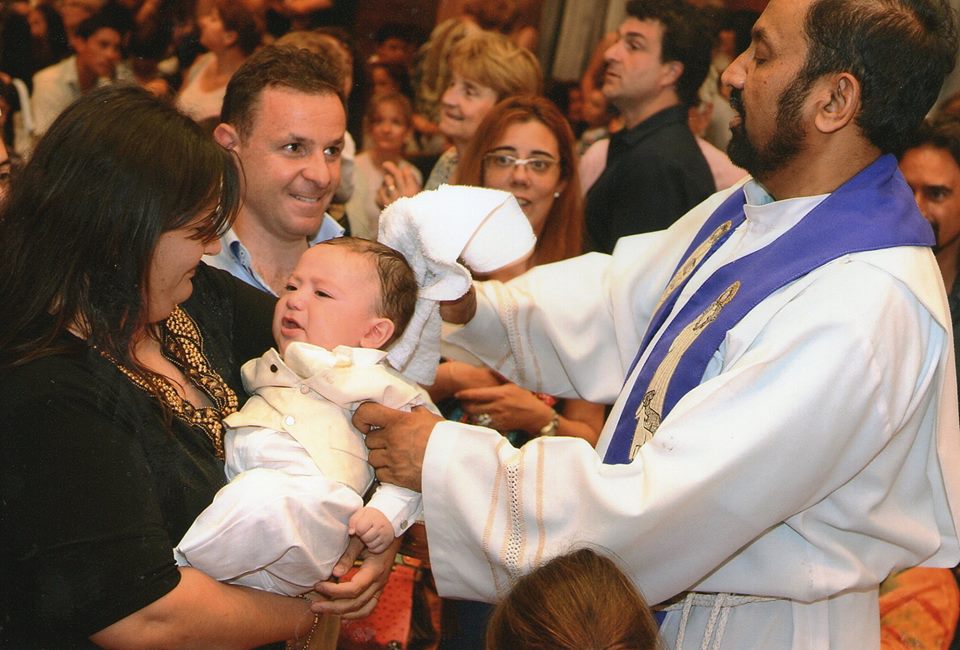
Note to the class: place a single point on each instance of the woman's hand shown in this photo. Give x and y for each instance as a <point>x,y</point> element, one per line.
<point>508,406</point>
<point>454,376</point>
<point>397,182</point>
<point>357,595</point>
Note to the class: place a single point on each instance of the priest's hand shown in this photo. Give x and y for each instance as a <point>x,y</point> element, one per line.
<point>461,310</point>
<point>397,441</point>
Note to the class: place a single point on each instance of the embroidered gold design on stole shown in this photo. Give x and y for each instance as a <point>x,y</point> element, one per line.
<point>648,413</point>
<point>692,261</point>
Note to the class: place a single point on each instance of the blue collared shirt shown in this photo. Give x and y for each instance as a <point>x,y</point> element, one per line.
<point>235,258</point>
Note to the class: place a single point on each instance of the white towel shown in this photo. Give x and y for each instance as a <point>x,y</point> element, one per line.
<point>434,229</point>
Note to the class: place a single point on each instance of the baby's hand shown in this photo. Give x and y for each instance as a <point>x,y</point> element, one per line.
<point>372,527</point>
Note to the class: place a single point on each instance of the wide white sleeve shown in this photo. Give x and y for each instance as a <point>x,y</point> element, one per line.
<point>572,328</point>
<point>811,422</point>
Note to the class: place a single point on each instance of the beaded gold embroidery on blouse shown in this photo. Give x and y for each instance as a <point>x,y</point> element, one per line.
<point>182,344</point>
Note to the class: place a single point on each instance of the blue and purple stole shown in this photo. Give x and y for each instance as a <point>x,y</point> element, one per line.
<point>873,210</point>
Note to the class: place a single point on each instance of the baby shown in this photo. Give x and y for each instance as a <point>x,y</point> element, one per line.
<point>296,465</point>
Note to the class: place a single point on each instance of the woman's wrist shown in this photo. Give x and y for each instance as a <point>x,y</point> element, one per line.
<point>552,425</point>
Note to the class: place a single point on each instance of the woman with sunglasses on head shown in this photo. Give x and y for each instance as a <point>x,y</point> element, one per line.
<point>119,359</point>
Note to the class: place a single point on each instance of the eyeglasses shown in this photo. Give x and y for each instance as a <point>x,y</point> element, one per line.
<point>504,161</point>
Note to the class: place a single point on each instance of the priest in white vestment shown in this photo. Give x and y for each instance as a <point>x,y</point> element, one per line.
<point>817,448</point>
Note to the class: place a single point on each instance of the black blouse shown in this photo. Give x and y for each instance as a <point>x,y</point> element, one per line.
<point>97,485</point>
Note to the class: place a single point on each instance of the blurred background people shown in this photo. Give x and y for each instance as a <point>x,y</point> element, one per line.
<point>484,69</point>
<point>388,125</point>
<point>97,42</point>
<point>230,32</point>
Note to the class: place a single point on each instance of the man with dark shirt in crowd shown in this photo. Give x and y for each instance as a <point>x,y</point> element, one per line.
<point>931,166</point>
<point>655,171</point>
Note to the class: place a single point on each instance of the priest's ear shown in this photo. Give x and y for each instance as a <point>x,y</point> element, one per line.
<point>838,101</point>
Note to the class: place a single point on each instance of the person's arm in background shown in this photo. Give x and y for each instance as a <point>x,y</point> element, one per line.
<point>511,408</point>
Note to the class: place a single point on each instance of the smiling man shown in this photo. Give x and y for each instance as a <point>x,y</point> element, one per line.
<point>785,430</point>
<point>655,171</point>
<point>284,118</point>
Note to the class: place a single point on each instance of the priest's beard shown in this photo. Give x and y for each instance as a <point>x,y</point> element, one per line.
<point>765,158</point>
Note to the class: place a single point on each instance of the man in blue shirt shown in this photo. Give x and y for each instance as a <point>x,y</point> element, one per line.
<point>284,118</point>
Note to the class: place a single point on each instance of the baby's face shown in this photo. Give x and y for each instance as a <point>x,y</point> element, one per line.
<point>329,299</point>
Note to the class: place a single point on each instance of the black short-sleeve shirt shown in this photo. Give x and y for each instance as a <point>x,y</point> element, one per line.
<point>97,485</point>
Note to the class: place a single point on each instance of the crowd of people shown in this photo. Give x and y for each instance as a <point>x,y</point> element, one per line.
<point>712,404</point>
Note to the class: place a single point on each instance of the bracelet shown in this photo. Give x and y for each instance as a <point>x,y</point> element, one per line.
<point>305,644</point>
<point>550,429</point>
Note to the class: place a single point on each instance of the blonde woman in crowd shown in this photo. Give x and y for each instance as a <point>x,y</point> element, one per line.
<point>484,69</point>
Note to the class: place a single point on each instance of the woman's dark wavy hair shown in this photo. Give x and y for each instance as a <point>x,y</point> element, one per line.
<point>115,171</point>
<point>899,50</point>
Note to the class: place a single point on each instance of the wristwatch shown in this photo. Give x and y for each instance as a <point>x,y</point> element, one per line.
<point>550,429</point>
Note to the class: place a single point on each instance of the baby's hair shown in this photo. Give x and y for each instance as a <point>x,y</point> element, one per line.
<point>579,601</point>
<point>398,285</point>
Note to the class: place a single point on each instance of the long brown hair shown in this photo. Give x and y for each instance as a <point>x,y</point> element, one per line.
<point>562,235</point>
<point>579,601</point>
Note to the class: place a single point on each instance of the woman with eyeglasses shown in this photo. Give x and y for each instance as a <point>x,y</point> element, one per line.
<point>524,146</point>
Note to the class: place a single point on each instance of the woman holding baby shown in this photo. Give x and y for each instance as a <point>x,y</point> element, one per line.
<point>119,359</point>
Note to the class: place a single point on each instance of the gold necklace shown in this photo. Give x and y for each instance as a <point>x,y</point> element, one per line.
<point>182,344</point>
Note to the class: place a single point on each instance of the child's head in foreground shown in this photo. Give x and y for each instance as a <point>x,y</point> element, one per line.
<point>346,291</point>
<point>579,601</point>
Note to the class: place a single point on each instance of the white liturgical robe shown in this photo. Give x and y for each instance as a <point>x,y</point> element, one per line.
<point>819,453</point>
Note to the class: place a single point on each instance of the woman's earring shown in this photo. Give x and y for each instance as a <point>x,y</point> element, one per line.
<point>556,195</point>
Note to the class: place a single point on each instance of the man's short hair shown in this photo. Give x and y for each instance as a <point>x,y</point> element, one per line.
<point>325,45</point>
<point>494,61</point>
<point>271,67</point>
<point>405,32</point>
<point>113,17</point>
<point>687,38</point>
<point>398,284</point>
<point>899,50</point>
<point>941,132</point>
